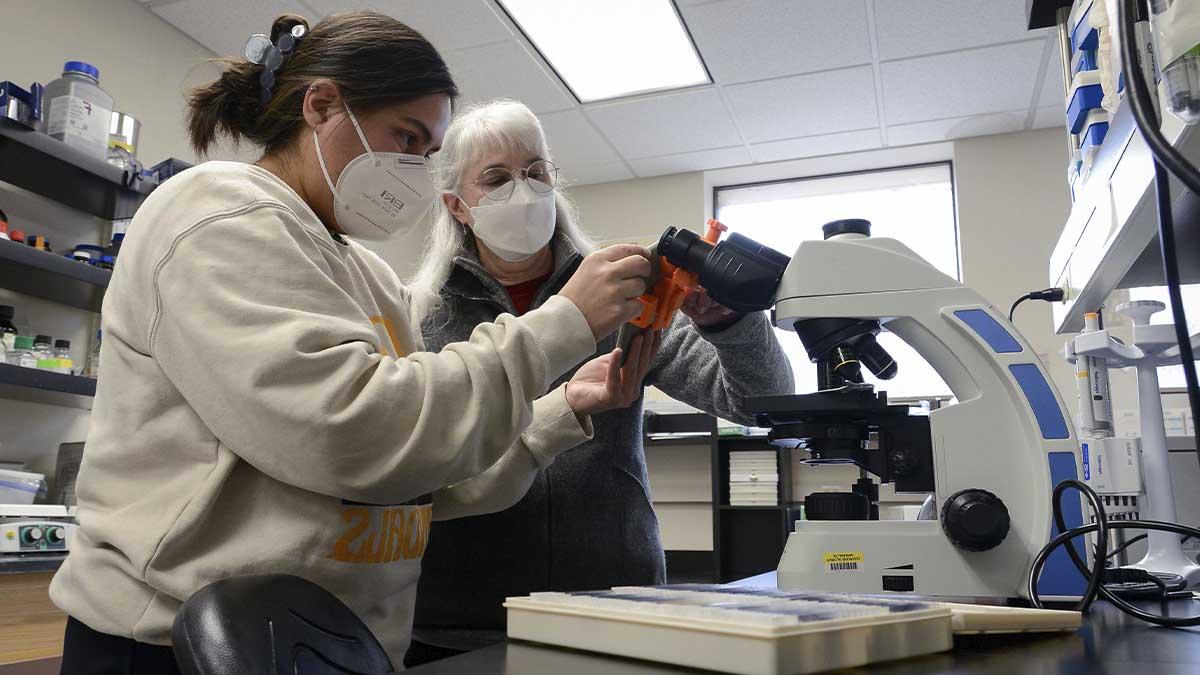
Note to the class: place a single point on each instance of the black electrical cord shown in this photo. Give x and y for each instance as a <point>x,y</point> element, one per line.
<point>1166,157</point>
<point>1143,104</point>
<point>1166,238</point>
<point>1012,310</point>
<point>1097,575</point>
<point>1113,553</point>
<point>1046,294</point>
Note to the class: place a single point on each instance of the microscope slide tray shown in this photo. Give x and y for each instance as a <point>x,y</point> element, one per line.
<point>754,631</point>
<point>760,630</point>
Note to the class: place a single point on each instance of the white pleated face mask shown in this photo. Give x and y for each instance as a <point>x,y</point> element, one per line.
<point>518,228</point>
<point>379,194</point>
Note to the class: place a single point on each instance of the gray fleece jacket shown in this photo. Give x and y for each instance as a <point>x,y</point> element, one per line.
<point>587,520</point>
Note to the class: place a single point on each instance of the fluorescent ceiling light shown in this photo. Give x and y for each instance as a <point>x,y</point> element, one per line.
<point>609,48</point>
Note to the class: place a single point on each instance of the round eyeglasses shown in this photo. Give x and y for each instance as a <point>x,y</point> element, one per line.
<point>498,183</point>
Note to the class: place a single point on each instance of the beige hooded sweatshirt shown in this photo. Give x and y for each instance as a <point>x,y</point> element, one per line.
<point>264,407</point>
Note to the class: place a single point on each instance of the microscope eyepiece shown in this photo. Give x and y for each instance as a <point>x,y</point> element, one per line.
<point>738,272</point>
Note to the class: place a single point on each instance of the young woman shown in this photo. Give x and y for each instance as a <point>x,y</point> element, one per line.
<point>266,405</point>
<point>505,240</point>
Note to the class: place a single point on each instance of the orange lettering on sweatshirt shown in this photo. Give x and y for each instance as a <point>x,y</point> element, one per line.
<point>413,532</point>
<point>388,338</point>
<point>426,526</point>
<point>383,535</point>
<point>358,519</point>
<point>395,536</point>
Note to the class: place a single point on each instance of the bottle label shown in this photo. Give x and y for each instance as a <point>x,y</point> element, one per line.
<point>82,124</point>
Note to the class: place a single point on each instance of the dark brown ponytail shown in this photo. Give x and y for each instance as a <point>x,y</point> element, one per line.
<point>374,59</point>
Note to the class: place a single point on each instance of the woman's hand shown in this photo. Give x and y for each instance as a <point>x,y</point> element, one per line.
<point>705,312</point>
<point>607,285</point>
<point>604,384</point>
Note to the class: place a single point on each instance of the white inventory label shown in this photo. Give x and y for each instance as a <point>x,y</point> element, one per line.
<point>83,124</point>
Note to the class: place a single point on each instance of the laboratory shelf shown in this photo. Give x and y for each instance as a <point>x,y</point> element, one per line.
<point>1110,240</point>
<point>758,507</point>
<point>43,386</point>
<point>693,441</point>
<point>30,563</point>
<point>35,162</point>
<point>1044,13</point>
<point>754,438</point>
<point>51,276</point>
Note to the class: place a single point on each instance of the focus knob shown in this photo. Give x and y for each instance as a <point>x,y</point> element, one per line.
<point>55,535</point>
<point>975,520</point>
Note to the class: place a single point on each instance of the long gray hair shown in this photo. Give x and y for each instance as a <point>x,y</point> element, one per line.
<point>504,124</point>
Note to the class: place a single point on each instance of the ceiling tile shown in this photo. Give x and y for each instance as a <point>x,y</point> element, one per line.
<point>506,70</point>
<point>666,124</point>
<point>224,30</point>
<point>595,173</point>
<point>1050,116</point>
<point>813,146</point>
<point>448,24</point>
<point>805,105</point>
<point>987,80</point>
<point>691,161</point>
<point>1053,92</point>
<point>757,39</point>
<point>906,28</point>
<point>963,127</point>
<point>574,142</point>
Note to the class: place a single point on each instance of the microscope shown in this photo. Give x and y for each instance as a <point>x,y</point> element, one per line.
<point>987,463</point>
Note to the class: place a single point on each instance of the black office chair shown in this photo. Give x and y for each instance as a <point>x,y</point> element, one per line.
<point>273,624</point>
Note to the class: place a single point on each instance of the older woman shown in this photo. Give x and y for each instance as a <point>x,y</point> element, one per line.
<point>505,240</point>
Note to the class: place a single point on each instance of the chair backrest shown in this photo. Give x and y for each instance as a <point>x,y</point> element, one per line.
<point>273,624</point>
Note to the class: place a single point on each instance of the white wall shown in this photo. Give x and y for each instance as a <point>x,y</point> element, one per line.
<point>640,209</point>
<point>145,65</point>
<point>1012,205</point>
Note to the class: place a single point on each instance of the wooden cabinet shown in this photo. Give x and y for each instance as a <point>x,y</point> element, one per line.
<point>31,627</point>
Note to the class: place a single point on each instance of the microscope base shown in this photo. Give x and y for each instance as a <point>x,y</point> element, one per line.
<point>1171,562</point>
<point>875,556</point>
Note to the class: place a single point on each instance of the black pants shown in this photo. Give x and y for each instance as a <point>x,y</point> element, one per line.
<point>89,652</point>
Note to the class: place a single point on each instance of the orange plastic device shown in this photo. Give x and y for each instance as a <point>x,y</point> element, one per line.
<point>671,287</point>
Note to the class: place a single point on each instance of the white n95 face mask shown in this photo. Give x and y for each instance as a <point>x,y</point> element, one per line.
<point>379,194</point>
<point>518,228</point>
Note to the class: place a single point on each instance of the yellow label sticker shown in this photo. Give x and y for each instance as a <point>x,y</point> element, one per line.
<point>842,561</point>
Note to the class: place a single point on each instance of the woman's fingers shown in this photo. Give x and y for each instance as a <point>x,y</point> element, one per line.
<point>612,383</point>
<point>634,371</point>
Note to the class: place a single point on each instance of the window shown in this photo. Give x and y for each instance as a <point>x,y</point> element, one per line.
<point>914,205</point>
